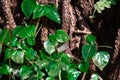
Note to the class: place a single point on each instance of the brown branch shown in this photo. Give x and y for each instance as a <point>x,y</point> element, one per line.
<point>10,23</point>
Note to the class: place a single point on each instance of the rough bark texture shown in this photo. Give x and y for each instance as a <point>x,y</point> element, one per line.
<point>76,22</point>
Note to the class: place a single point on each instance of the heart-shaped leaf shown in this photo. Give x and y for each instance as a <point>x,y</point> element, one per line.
<point>84,67</point>
<point>39,11</point>
<point>30,54</point>
<point>101,59</point>
<point>52,13</point>
<point>90,39</point>
<point>61,36</point>
<point>18,56</point>
<point>5,69</point>
<point>25,72</point>
<point>28,7</point>
<point>49,47</point>
<point>88,51</point>
<point>94,77</point>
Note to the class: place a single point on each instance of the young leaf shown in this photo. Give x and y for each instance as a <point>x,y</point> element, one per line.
<point>39,11</point>
<point>62,36</point>
<point>18,56</point>
<point>49,47</point>
<point>84,67</point>
<point>52,13</point>
<point>28,7</point>
<point>90,39</point>
<point>25,72</point>
<point>94,77</point>
<point>88,51</point>
<point>101,59</point>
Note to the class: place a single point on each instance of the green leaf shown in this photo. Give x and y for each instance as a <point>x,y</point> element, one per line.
<point>25,72</point>
<point>5,69</point>
<point>62,36</point>
<point>73,74</point>
<point>94,77</point>
<point>18,56</point>
<point>42,64</point>
<point>17,30</point>
<point>28,7</point>
<point>52,13</point>
<point>31,40</point>
<point>8,53</point>
<point>101,59</point>
<point>52,38</point>
<point>49,47</point>
<point>0,48</point>
<point>50,78</point>
<point>84,67</point>
<point>26,31</point>
<point>54,70</point>
<point>39,11</point>
<point>88,51</point>
<point>4,36</point>
<point>90,39</point>
<point>31,54</point>
<point>43,54</point>
<point>40,74</point>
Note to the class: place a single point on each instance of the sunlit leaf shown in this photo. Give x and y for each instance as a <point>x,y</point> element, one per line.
<point>25,72</point>
<point>28,7</point>
<point>50,78</point>
<point>18,56</point>
<point>88,51</point>
<point>49,47</point>
<point>62,36</point>
<point>101,59</point>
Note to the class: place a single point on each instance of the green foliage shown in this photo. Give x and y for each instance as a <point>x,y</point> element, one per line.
<point>94,77</point>
<point>30,7</point>
<point>102,4</point>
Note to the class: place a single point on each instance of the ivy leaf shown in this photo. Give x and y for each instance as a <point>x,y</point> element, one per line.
<point>54,70</point>
<point>52,38</point>
<point>73,74</point>
<point>4,36</point>
<point>40,74</point>
<point>39,11</point>
<point>49,47</point>
<point>90,39</point>
<point>62,36</point>
<point>50,78</point>
<point>31,40</point>
<point>52,13</point>
<point>28,7</point>
<point>18,56</point>
<point>30,54</point>
<point>8,53</point>
<point>84,67</point>
<point>14,41</point>
<point>94,77</point>
<point>88,51</point>
<point>5,69</point>
<point>101,59</point>
<point>26,31</point>
<point>25,72</point>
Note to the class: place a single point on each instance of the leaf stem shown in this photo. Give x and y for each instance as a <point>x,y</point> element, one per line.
<point>83,77</point>
<point>60,75</point>
<point>105,47</point>
<point>38,30</point>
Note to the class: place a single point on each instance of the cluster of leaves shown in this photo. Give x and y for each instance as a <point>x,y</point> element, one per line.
<point>89,52</point>
<point>30,7</point>
<point>49,64</point>
<point>102,4</point>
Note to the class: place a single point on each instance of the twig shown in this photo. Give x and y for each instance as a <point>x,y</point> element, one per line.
<point>83,77</point>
